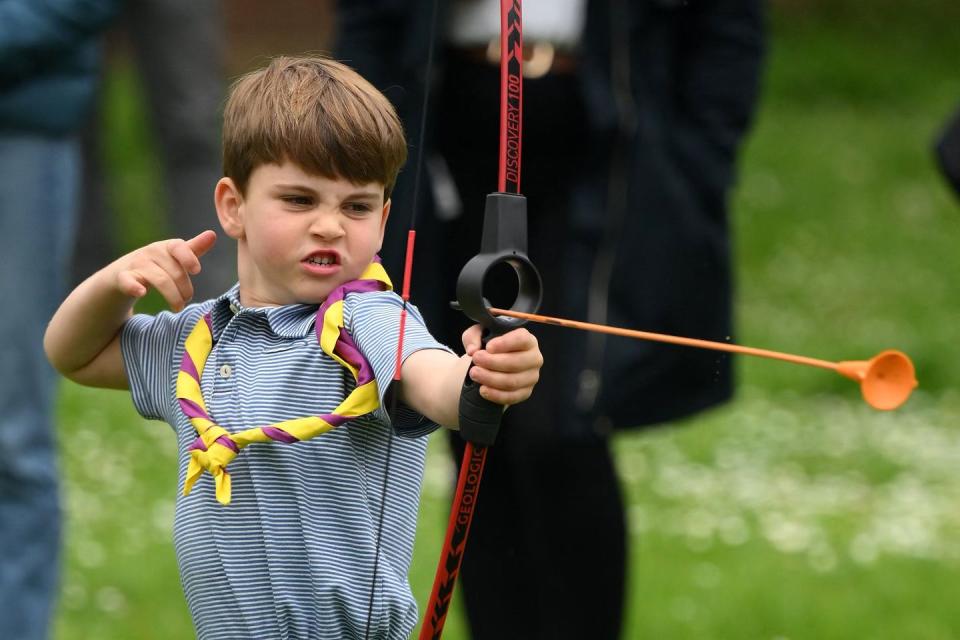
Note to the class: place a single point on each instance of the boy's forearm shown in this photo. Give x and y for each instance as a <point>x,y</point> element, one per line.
<point>448,408</point>
<point>87,323</point>
<point>432,380</point>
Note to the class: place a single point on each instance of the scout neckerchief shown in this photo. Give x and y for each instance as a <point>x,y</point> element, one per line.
<point>215,447</point>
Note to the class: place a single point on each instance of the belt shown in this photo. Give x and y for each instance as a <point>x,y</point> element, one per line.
<point>539,58</point>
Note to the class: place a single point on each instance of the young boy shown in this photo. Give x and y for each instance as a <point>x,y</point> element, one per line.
<point>280,539</point>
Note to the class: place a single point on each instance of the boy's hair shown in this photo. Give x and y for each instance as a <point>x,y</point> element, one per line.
<point>317,113</point>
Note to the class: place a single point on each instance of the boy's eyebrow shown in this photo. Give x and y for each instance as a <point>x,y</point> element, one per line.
<point>371,194</point>
<point>365,195</point>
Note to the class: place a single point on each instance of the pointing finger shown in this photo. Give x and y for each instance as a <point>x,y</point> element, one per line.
<point>184,255</point>
<point>202,242</point>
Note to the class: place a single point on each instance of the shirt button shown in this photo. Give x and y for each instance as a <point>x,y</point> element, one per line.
<point>234,309</point>
<point>225,371</point>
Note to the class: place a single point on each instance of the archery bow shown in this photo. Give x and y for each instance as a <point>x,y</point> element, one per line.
<point>501,271</point>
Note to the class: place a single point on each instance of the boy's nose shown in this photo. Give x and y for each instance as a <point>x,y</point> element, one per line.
<point>326,224</point>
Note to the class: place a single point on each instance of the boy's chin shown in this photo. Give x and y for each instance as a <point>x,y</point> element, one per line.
<point>282,297</point>
<point>312,295</point>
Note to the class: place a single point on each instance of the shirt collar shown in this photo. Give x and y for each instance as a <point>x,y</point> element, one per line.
<point>288,321</point>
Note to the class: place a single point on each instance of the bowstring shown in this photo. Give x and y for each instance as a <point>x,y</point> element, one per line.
<point>408,269</point>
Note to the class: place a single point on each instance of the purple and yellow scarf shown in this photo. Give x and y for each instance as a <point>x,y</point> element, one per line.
<point>215,447</point>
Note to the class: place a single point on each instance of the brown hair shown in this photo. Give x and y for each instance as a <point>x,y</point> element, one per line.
<point>317,113</point>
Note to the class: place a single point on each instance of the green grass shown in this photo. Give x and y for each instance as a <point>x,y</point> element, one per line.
<point>796,512</point>
<point>797,517</point>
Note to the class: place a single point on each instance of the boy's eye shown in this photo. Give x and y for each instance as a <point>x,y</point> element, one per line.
<point>357,207</point>
<point>298,200</point>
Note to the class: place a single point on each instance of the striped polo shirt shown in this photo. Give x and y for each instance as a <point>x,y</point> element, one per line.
<point>292,556</point>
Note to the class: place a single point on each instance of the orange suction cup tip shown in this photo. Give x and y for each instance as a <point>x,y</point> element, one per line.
<point>886,380</point>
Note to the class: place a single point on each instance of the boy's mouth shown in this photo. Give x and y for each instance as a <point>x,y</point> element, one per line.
<point>322,262</point>
<point>323,258</point>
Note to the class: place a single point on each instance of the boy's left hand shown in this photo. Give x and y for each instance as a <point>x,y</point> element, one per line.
<point>507,368</point>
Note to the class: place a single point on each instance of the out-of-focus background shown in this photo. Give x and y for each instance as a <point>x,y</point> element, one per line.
<point>796,511</point>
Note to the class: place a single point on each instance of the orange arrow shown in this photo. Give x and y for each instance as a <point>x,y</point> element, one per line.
<point>886,380</point>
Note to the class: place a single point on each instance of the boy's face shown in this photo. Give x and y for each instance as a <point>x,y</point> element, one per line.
<point>300,235</point>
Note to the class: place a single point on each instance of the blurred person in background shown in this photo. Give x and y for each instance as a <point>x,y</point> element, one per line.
<point>49,61</point>
<point>634,111</point>
<point>947,152</point>
<point>178,48</point>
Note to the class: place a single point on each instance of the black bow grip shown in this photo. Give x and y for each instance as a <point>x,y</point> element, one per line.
<point>501,276</point>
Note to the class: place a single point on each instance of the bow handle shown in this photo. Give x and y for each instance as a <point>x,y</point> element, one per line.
<point>479,417</point>
<point>501,274</point>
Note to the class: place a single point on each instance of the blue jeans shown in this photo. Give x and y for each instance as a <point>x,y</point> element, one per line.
<point>38,198</point>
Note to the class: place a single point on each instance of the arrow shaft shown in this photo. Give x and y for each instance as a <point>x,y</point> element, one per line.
<point>661,337</point>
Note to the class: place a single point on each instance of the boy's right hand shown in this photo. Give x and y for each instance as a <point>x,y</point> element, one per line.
<point>165,266</point>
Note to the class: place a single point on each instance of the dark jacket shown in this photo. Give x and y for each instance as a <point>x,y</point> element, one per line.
<point>49,62</point>
<point>670,88</point>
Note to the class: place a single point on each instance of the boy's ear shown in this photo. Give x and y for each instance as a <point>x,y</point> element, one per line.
<point>383,221</point>
<point>229,202</point>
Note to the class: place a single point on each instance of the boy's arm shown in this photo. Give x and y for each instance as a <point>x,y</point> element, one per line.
<point>507,370</point>
<point>83,339</point>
